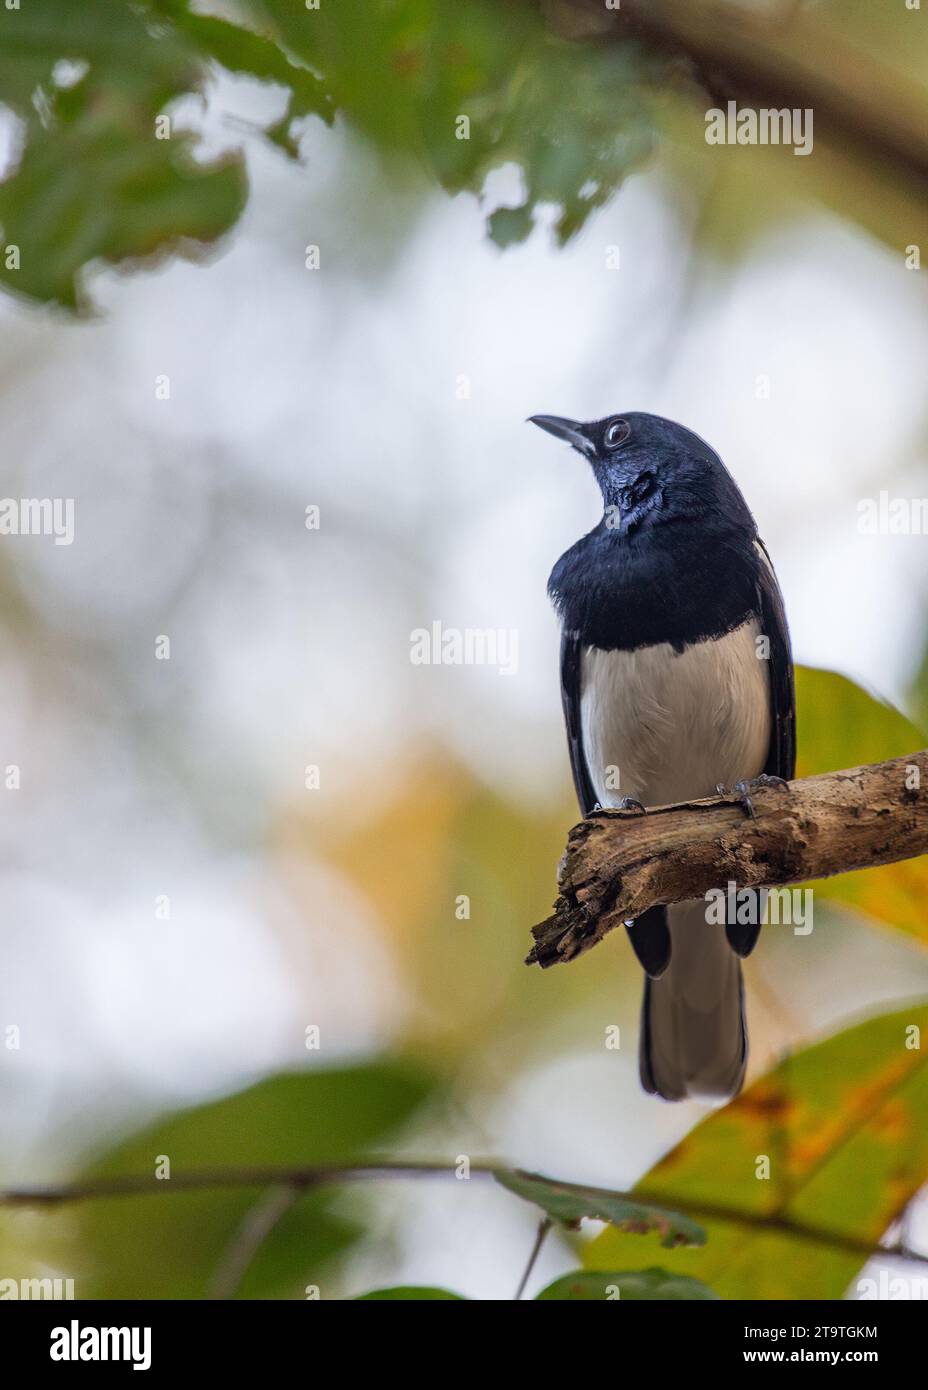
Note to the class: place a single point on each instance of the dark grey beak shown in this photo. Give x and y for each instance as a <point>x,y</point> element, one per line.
<point>571,430</point>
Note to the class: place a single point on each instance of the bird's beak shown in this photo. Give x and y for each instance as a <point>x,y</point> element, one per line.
<point>570,430</point>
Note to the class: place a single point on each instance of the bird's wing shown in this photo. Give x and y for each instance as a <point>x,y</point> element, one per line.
<point>781,755</point>
<point>571,653</point>
<point>781,751</point>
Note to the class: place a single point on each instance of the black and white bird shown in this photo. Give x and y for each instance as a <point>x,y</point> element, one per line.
<point>676,678</point>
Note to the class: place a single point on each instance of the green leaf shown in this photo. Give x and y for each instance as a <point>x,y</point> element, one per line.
<point>571,116</point>
<point>169,1244</point>
<point>93,181</point>
<point>598,1286</point>
<point>411,1292</point>
<point>843,1127</point>
<point>571,1202</point>
<point>98,188</point>
<point>576,114</point>
<point>508,226</point>
<point>918,694</point>
<point>117,40</point>
<point>243,51</point>
<point>840,725</point>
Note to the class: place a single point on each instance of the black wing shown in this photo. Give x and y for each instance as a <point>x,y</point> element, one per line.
<point>781,752</point>
<point>649,933</point>
<point>571,653</point>
<point>781,755</point>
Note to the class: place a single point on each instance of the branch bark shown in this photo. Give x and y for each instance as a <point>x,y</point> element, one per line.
<point>619,863</point>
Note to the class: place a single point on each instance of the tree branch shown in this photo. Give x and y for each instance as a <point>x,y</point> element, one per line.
<point>297,1179</point>
<point>788,60</point>
<point>619,863</point>
<point>544,1227</point>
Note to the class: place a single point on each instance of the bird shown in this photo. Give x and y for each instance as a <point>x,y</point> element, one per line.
<point>676,682</point>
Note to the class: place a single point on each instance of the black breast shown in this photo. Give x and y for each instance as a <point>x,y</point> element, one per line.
<point>673,583</point>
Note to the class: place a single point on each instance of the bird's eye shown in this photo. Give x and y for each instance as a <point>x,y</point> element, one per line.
<point>617,432</point>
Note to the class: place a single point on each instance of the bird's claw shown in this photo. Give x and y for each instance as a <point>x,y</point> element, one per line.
<point>630,803</point>
<point>767,779</point>
<point>745,785</point>
<point>742,790</point>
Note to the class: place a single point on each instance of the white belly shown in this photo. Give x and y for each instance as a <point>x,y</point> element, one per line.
<point>661,726</point>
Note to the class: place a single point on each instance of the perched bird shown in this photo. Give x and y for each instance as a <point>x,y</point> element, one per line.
<point>676,680</point>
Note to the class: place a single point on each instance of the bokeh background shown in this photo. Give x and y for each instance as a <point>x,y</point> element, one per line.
<point>755,300</point>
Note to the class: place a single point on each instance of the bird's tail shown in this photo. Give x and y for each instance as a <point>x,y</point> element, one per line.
<point>694,1041</point>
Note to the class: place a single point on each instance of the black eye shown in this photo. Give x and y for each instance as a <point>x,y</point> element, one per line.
<point>617,432</point>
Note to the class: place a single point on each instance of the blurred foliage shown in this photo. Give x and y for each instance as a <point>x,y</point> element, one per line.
<point>627,1285</point>
<point>456,89</point>
<point>571,1203</point>
<point>841,1121</point>
<point>409,74</point>
<point>840,1126</point>
<point>410,1293</point>
<point>581,1286</point>
<point>918,696</point>
<point>843,1126</point>
<point>242,51</point>
<point>170,1244</point>
<point>93,181</point>
<point>840,725</point>
<point>441,829</point>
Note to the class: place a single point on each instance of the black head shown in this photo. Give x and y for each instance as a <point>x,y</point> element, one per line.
<point>651,471</point>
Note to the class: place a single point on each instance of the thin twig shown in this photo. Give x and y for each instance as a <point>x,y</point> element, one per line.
<point>257,1224</point>
<point>303,1178</point>
<point>544,1227</point>
<point>135,1185</point>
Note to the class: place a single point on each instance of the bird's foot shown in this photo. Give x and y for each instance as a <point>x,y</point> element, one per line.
<point>743,788</point>
<point>624,803</point>
<point>766,779</point>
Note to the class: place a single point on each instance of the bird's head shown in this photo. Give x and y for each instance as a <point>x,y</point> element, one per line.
<point>650,470</point>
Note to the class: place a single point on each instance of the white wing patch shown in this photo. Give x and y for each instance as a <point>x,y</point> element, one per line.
<point>665,726</point>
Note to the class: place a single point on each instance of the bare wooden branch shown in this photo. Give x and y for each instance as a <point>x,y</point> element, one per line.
<point>619,863</point>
